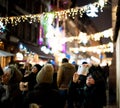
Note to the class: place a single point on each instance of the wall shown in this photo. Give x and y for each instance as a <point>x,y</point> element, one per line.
<point>118,69</point>
<point>113,75</point>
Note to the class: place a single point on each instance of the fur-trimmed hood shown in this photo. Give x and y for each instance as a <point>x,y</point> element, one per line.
<point>65,74</point>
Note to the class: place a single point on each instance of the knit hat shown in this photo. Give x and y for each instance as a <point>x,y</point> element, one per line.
<point>96,73</point>
<point>45,75</point>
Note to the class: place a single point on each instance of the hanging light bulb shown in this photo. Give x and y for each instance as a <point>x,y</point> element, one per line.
<point>101,3</point>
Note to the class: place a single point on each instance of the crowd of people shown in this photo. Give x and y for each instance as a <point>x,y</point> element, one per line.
<point>53,86</point>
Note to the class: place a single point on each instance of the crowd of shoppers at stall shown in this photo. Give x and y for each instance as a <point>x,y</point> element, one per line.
<point>51,86</point>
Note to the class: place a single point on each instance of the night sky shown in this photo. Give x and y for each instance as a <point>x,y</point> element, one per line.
<point>104,19</point>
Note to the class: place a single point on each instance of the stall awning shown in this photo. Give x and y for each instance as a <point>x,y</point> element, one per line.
<point>36,49</point>
<point>5,53</point>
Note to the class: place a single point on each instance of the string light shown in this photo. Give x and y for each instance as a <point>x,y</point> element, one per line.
<point>96,49</point>
<point>96,37</point>
<point>62,14</point>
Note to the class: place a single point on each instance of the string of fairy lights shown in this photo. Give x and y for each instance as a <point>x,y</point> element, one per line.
<point>96,49</point>
<point>64,14</point>
<point>96,37</point>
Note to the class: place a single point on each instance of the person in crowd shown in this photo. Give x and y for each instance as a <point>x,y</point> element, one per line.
<point>43,94</point>
<point>26,68</point>
<point>75,64</point>
<point>93,92</point>
<point>1,72</point>
<point>29,80</point>
<point>73,96</point>
<point>9,89</point>
<point>2,90</point>
<point>105,71</point>
<point>64,76</point>
<point>65,60</point>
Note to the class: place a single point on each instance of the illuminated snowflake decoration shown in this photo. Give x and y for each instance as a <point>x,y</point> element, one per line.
<point>92,11</point>
<point>2,27</point>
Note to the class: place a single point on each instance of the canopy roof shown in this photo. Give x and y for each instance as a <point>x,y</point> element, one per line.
<point>5,54</point>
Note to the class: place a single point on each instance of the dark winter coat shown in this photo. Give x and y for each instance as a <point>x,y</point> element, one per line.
<point>75,93</point>
<point>44,96</point>
<point>93,96</point>
<point>31,78</point>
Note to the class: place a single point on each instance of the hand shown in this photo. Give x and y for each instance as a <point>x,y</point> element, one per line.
<point>23,86</point>
<point>75,77</point>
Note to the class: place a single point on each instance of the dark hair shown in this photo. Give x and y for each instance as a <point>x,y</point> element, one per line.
<point>38,67</point>
<point>65,60</point>
<point>96,73</point>
<point>84,62</point>
<point>1,71</point>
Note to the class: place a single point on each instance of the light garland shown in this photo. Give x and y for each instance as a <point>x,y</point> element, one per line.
<point>96,37</point>
<point>63,14</point>
<point>96,49</point>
